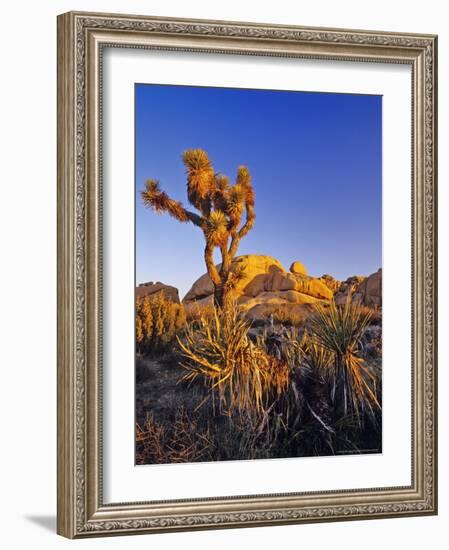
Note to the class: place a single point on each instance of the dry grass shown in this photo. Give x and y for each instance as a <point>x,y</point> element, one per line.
<point>220,352</point>
<point>182,443</point>
<point>196,312</point>
<point>287,315</point>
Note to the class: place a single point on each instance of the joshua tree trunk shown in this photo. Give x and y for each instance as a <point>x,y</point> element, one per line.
<point>219,296</point>
<point>222,292</point>
<point>222,297</point>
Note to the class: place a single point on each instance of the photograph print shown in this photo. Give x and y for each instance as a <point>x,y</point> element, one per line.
<point>258,268</point>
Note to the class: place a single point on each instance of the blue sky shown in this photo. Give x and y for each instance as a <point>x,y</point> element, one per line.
<point>316,165</point>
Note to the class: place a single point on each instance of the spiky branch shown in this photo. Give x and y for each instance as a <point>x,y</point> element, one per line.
<point>226,214</point>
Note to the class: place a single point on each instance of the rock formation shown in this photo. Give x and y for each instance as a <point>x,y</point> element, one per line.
<point>365,290</point>
<point>265,282</point>
<point>298,268</point>
<point>371,289</point>
<point>250,267</point>
<point>265,287</point>
<point>349,288</point>
<point>170,292</point>
<point>331,283</point>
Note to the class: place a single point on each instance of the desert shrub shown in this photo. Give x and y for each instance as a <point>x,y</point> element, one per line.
<point>281,342</point>
<point>192,437</point>
<point>303,411</point>
<point>339,330</point>
<point>219,351</point>
<point>182,442</point>
<point>196,312</point>
<point>310,410</point>
<point>158,321</point>
<point>311,414</point>
<point>243,438</point>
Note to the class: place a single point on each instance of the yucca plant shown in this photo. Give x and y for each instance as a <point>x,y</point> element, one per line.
<point>339,330</point>
<point>221,207</point>
<point>219,351</point>
<point>281,343</point>
<point>317,357</point>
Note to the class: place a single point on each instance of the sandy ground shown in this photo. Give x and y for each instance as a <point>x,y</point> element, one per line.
<point>159,390</point>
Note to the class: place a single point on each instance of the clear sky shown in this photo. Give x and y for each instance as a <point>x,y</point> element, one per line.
<point>316,166</point>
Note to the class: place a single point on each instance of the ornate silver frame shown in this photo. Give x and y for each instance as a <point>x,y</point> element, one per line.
<point>81,38</point>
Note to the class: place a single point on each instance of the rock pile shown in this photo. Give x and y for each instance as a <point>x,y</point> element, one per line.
<point>264,286</point>
<point>146,289</point>
<point>365,290</point>
<point>265,282</point>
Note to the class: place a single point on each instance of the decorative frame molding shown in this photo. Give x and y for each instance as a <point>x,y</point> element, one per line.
<point>81,37</point>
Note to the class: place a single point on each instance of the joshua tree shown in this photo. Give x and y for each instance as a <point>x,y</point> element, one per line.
<point>221,207</point>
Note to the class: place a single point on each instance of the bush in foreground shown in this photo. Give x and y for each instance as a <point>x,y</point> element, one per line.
<point>339,330</point>
<point>158,322</point>
<point>218,350</point>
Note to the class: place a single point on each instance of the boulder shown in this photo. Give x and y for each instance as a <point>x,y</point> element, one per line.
<point>148,289</point>
<point>201,288</point>
<point>349,288</point>
<point>261,275</point>
<point>331,283</point>
<point>250,266</point>
<point>301,283</point>
<point>276,299</point>
<point>371,289</point>
<point>298,268</point>
<point>364,290</point>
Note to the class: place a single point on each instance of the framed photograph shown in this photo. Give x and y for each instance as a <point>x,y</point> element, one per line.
<point>246,274</point>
